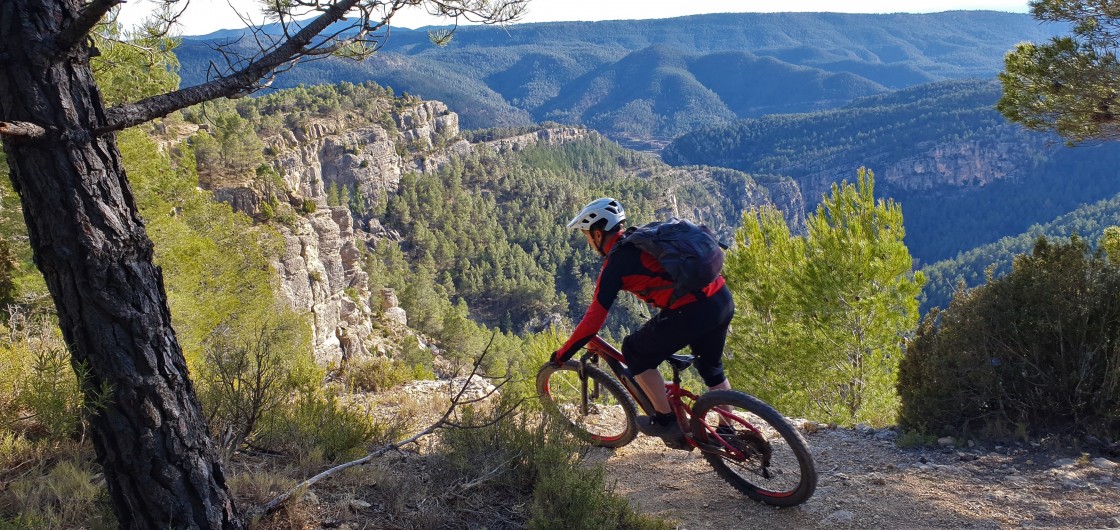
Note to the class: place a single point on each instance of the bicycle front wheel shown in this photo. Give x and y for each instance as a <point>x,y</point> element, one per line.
<point>596,408</point>
<point>766,458</point>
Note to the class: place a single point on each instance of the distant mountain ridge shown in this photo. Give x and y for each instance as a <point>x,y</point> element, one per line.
<point>963,174</point>
<point>659,78</point>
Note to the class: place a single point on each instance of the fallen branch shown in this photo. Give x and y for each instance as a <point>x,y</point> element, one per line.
<point>443,422</point>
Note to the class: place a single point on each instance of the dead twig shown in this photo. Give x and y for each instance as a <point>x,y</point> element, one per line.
<point>443,422</point>
<point>21,130</point>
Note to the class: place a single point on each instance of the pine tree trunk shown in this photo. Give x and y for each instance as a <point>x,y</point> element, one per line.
<point>89,242</point>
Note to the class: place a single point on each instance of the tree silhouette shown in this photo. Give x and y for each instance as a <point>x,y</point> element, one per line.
<point>1070,84</point>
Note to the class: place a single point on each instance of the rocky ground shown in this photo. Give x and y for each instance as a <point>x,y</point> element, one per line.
<point>867,481</point>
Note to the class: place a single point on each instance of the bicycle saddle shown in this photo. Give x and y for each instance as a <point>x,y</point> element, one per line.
<point>680,362</point>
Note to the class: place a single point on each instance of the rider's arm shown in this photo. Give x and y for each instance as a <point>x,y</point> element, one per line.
<point>606,291</point>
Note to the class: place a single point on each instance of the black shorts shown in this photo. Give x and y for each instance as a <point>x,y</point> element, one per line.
<point>701,325</point>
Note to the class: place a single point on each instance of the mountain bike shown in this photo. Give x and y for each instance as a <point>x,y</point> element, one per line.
<point>750,445</point>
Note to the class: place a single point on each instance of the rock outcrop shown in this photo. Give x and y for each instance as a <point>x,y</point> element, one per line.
<point>321,274</point>
<point>320,268</point>
<point>786,196</point>
<point>549,136</point>
<point>368,157</point>
<point>944,166</point>
<point>724,214</point>
<point>960,164</point>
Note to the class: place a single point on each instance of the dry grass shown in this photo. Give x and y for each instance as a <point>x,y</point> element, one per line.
<point>51,486</point>
<point>459,478</point>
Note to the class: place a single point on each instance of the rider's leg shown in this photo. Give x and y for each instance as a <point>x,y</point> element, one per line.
<point>653,384</point>
<point>664,423</point>
<point>708,348</point>
<point>725,385</point>
<point>647,348</point>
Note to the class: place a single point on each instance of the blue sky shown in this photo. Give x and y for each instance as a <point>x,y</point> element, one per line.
<point>205,16</point>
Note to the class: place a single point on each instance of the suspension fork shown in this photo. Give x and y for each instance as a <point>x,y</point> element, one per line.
<point>584,395</point>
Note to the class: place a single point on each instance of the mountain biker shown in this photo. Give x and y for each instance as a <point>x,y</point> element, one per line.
<point>699,320</point>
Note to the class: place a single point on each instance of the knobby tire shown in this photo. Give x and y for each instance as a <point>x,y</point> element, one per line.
<point>610,419</point>
<point>792,475</point>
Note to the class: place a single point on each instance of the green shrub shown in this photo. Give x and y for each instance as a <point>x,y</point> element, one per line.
<point>14,367</point>
<point>354,295</point>
<point>528,458</point>
<point>417,358</point>
<point>267,213</point>
<point>377,374</point>
<point>1033,352</point>
<point>286,217</point>
<point>252,364</point>
<point>40,395</point>
<point>319,423</point>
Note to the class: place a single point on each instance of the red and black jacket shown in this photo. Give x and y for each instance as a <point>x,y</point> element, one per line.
<point>630,269</point>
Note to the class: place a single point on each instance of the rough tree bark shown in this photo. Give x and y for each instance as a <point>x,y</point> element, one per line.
<point>89,241</point>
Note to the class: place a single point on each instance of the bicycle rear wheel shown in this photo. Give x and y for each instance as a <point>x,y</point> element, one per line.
<point>605,419</point>
<point>766,459</point>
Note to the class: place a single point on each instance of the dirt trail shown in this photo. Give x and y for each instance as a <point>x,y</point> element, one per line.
<point>866,481</point>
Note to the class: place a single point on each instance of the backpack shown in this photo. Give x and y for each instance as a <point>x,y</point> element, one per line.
<point>690,254</point>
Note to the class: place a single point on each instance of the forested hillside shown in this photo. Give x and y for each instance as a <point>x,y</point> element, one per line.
<point>453,225</point>
<point>964,175</point>
<point>654,79</point>
<point>971,266</point>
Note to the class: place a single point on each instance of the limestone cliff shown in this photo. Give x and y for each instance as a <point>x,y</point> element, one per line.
<point>370,157</point>
<point>785,195</point>
<point>321,274</point>
<point>942,166</point>
<point>962,164</point>
<point>320,269</point>
<point>697,194</point>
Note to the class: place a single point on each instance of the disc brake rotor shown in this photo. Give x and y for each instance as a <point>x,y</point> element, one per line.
<point>751,443</point>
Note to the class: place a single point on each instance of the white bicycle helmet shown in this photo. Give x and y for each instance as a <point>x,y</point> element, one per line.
<point>597,210</point>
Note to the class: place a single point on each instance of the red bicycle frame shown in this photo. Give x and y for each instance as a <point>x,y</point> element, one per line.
<point>598,348</point>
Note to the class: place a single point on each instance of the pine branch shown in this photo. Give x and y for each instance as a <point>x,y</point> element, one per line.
<point>130,114</point>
